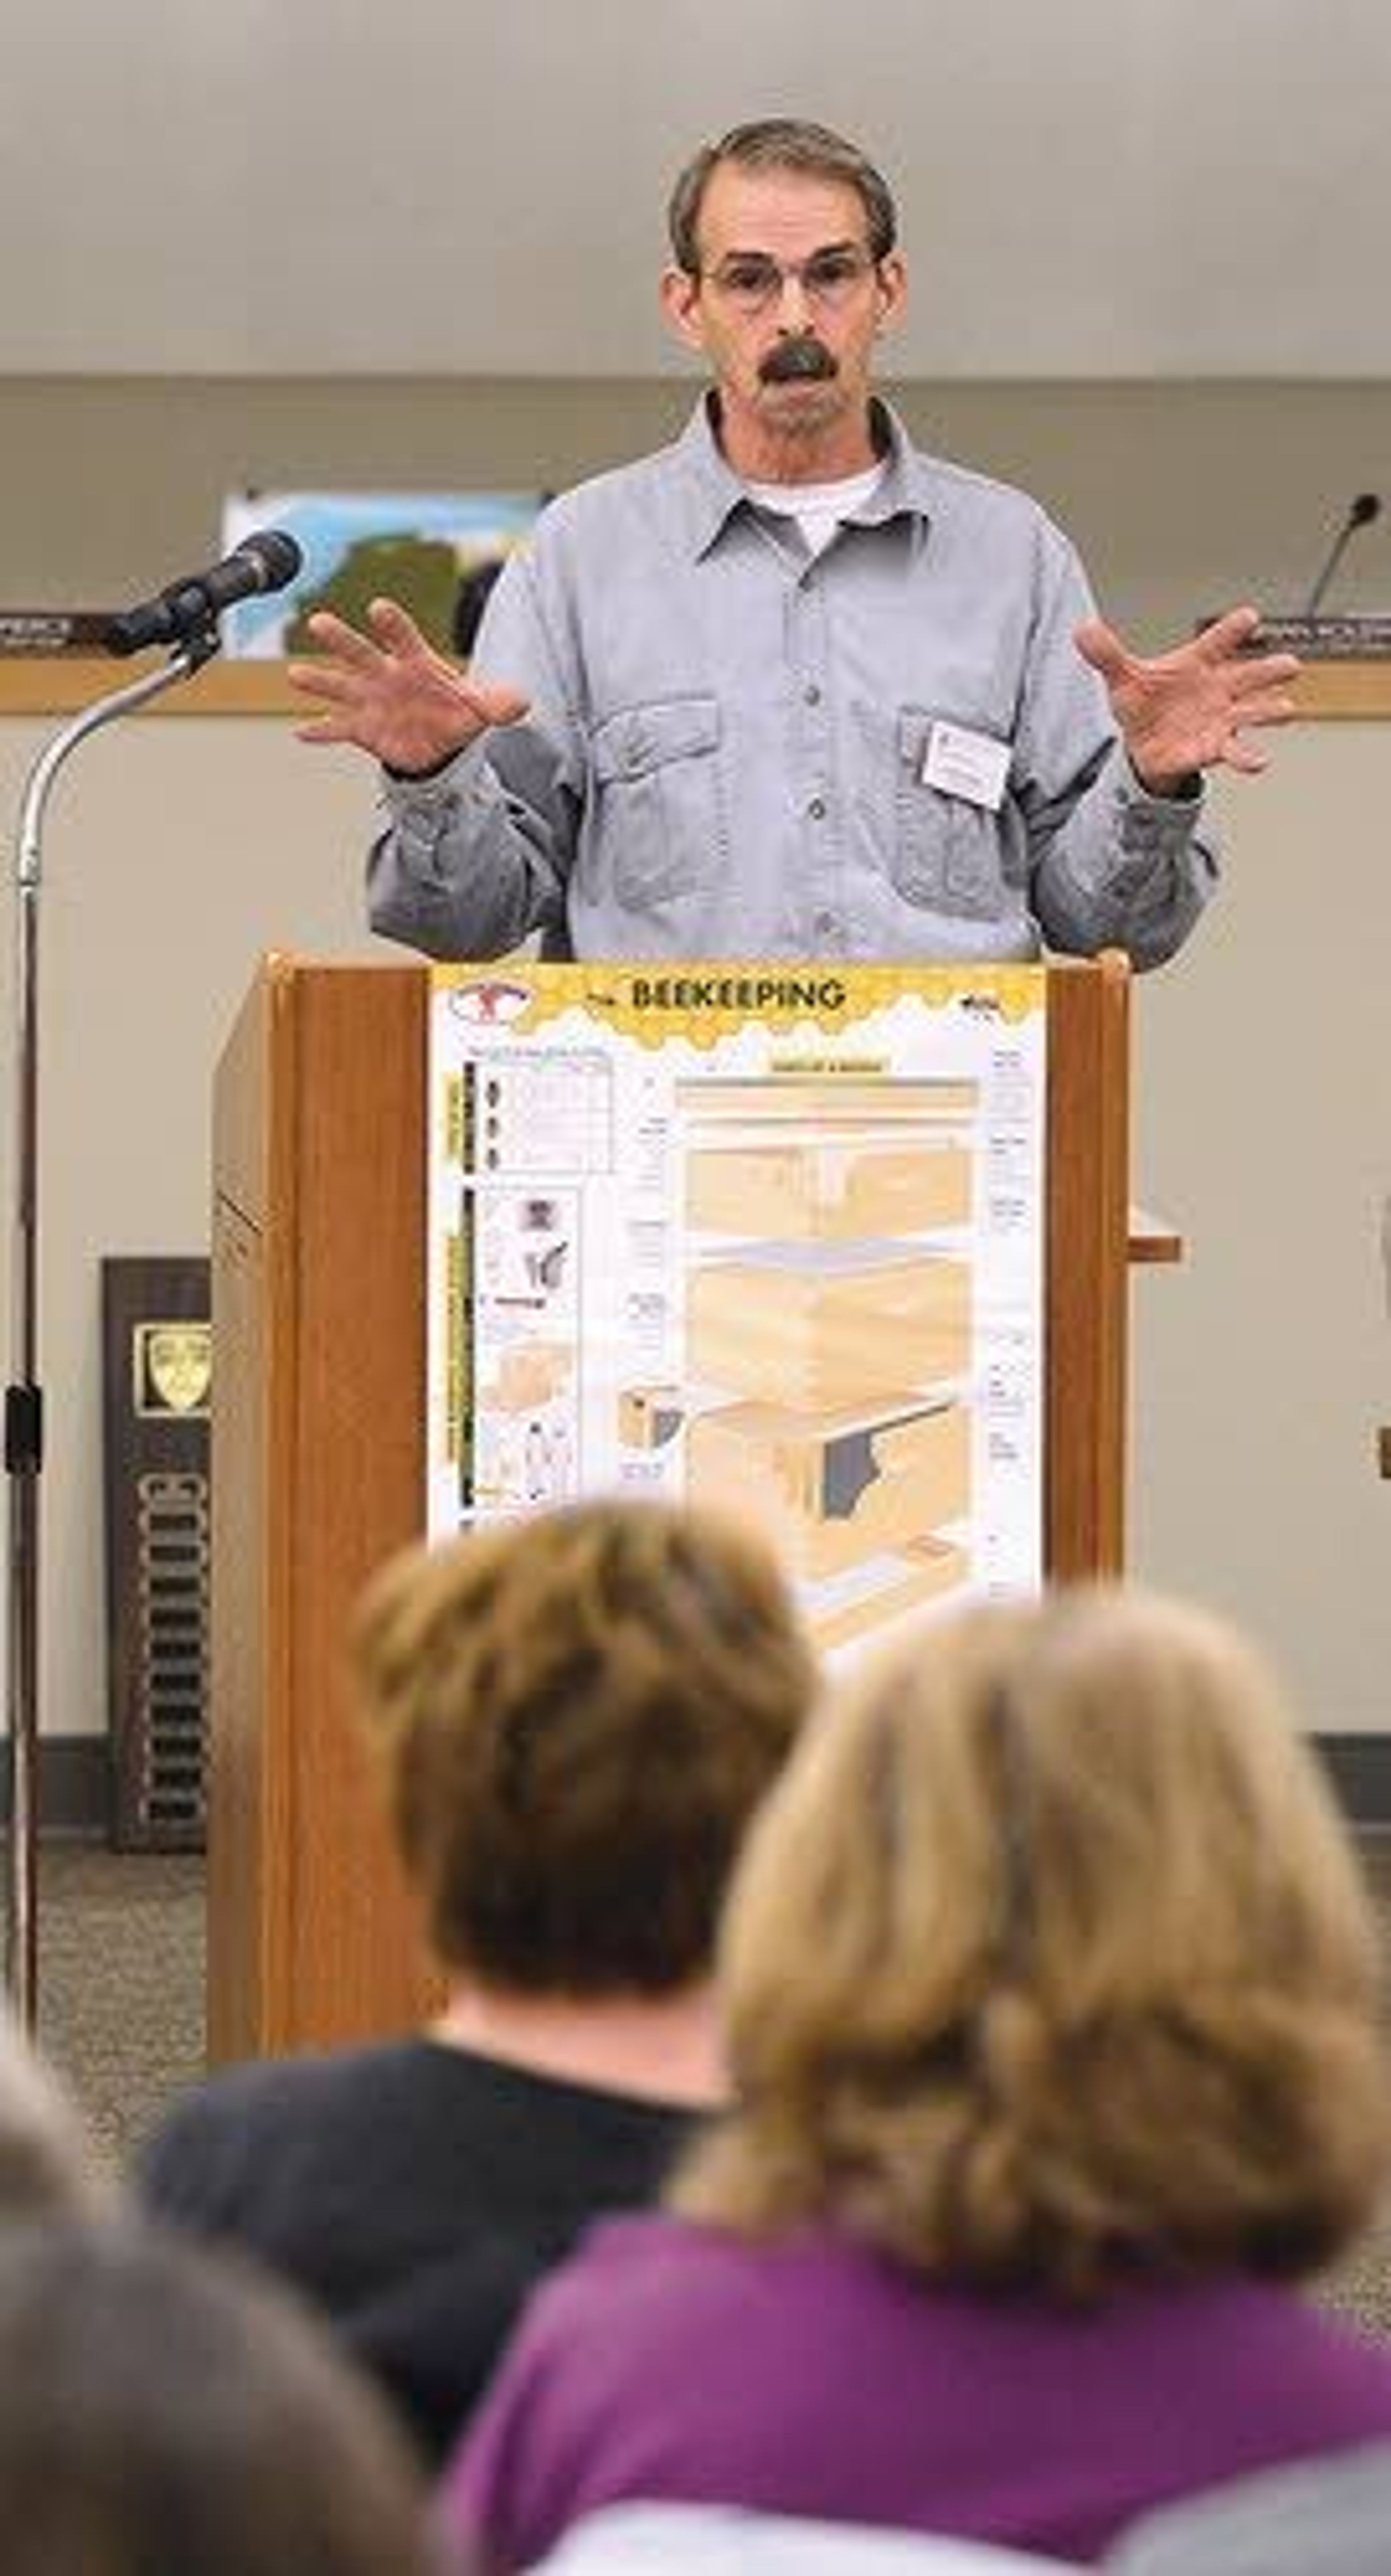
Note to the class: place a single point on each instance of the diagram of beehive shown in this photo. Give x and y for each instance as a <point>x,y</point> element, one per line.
<point>530,1131</point>
<point>829,1328</point>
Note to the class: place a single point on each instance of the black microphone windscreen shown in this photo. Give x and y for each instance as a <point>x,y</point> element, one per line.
<point>279,555</point>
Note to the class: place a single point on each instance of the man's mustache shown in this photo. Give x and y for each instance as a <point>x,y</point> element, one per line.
<point>799,359</point>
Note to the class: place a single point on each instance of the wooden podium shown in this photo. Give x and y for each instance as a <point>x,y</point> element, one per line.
<point>318,1460</point>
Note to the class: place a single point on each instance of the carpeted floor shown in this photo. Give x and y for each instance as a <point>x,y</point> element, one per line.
<point>121,2009</point>
<point>121,1955</point>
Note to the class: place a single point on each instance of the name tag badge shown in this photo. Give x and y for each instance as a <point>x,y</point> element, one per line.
<point>973,766</point>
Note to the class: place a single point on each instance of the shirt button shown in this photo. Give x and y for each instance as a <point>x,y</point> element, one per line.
<point>825,923</point>
<point>812,694</point>
<point>817,809</point>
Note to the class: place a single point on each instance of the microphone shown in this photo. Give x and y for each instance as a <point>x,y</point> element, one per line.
<point>1360,514</point>
<point>265,561</point>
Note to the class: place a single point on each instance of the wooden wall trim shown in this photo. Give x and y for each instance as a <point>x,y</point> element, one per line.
<point>40,684</point>
<point>34,685</point>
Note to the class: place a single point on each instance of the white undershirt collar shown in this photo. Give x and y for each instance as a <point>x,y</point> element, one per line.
<point>818,508</point>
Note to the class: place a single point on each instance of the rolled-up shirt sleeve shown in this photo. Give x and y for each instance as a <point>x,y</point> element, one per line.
<point>1112,865</point>
<point>472,860</point>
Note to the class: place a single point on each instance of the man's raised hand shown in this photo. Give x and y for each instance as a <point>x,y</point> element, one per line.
<point>1191,709</point>
<point>388,691</point>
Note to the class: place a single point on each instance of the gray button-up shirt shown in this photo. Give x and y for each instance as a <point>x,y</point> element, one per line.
<point>727,751</point>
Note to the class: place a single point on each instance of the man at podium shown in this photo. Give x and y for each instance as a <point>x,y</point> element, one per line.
<point>791,687</point>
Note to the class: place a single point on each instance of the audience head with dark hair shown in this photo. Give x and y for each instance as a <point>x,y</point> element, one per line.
<point>1050,1991</point>
<point>168,2414</point>
<point>574,1717</point>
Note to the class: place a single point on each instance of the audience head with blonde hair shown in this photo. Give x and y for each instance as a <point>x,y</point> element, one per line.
<point>577,1714</point>
<point>1049,1964</point>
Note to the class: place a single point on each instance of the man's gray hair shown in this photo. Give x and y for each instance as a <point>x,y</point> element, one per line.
<point>781,143</point>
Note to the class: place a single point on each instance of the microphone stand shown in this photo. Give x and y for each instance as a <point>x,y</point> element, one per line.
<point>1360,514</point>
<point>23,1415</point>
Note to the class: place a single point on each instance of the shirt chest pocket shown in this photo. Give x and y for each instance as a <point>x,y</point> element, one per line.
<point>947,853</point>
<point>661,825</point>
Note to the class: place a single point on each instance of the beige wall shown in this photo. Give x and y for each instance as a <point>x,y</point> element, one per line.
<point>1262,1368</point>
<point>1087,189</point>
<point>179,848</point>
<point>1180,494</point>
<point>176,850</point>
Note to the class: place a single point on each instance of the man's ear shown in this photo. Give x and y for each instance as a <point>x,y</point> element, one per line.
<point>891,281</point>
<point>681,305</point>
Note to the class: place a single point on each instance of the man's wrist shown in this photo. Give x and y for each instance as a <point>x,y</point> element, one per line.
<point>416,777</point>
<point>1185,789</point>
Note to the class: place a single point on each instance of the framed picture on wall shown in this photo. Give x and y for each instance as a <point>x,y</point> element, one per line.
<point>436,552</point>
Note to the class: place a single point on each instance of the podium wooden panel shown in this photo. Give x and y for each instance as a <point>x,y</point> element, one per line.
<point>317,1473</point>
<point>318,1448</point>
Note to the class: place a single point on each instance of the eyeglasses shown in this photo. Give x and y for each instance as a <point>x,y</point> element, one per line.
<point>752,280</point>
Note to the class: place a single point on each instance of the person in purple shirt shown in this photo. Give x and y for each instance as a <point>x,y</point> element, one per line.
<point>1050,1992</point>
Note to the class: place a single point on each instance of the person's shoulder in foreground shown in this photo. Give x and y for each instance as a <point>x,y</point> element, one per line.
<point>168,2409</point>
<point>343,2164</point>
<point>415,2191</point>
<point>920,2406</point>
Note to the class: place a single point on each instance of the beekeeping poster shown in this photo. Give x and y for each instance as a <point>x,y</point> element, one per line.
<point>771,1235</point>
